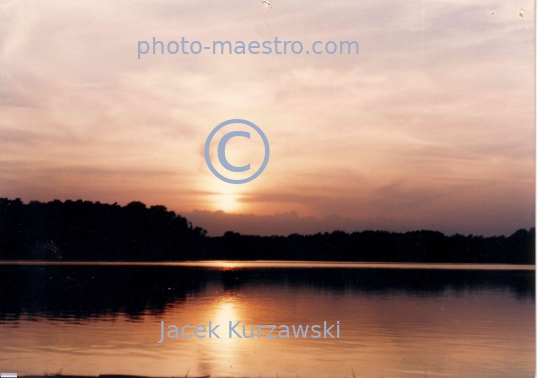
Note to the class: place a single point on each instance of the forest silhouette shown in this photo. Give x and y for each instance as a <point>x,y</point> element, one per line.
<point>93,231</point>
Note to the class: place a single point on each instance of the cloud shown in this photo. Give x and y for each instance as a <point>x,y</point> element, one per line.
<point>219,222</point>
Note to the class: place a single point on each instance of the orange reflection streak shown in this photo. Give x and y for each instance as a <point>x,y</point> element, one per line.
<point>225,265</point>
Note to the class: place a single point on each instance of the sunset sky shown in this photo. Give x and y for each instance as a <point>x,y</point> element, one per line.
<point>430,126</point>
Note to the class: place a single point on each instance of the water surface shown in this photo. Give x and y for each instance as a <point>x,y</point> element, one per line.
<point>395,321</point>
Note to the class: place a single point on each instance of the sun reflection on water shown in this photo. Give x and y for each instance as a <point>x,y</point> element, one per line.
<point>225,265</point>
<point>226,308</point>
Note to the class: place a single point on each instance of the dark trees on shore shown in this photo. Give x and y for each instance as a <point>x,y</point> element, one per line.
<point>82,230</point>
<point>92,231</point>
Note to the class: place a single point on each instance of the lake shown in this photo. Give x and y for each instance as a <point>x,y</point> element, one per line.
<point>396,320</point>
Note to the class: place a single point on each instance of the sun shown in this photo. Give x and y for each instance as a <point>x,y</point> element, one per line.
<point>225,197</point>
<point>227,202</point>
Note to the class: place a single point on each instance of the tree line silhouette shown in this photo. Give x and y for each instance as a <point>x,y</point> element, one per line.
<point>92,231</point>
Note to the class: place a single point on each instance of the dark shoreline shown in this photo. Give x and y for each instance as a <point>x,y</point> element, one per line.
<point>87,231</point>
